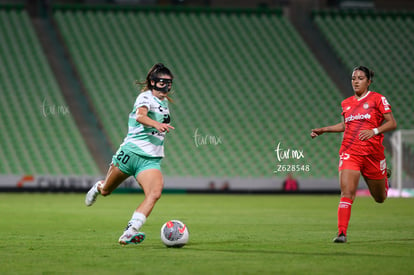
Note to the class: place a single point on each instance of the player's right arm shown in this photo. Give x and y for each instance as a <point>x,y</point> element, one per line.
<point>143,118</point>
<point>337,128</point>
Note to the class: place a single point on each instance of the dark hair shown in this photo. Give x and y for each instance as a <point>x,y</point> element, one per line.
<point>156,71</point>
<point>368,73</point>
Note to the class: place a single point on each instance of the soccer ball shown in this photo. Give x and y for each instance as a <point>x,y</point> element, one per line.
<point>174,233</point>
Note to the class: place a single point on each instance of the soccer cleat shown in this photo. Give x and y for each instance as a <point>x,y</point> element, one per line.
<point>341,238</point>
<point>131,236</point>
<point>92,194</point>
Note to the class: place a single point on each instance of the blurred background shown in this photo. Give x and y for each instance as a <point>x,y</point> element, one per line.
<point>252,78</point>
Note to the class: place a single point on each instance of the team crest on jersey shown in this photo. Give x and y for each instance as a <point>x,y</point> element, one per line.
<point>365,106</point>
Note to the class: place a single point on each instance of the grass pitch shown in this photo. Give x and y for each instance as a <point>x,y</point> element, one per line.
<point>229,234</point>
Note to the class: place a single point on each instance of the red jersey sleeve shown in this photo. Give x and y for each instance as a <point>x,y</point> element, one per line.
<point>383,105</point>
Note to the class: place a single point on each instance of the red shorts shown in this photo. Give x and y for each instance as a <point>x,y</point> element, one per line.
<point>371,166</point>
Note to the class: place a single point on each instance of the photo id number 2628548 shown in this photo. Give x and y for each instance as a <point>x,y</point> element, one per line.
<point>292,168</point>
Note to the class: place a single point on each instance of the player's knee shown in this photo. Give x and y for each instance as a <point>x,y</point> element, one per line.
<point>157,195</point>
<point>154,195</point>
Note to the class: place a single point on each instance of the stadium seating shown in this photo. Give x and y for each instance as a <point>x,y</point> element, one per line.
<point>37,132</point>
<point>245,82</point>
<point>381,41</point>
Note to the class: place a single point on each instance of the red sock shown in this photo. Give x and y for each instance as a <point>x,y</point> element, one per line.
<point>344,214</point>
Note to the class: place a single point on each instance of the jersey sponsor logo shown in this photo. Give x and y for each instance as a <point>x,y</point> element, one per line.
<point>385,103</point>
<point>159,109</point>
<point>357,117</point>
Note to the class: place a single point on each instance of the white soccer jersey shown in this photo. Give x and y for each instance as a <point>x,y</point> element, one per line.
<point>144,140</point>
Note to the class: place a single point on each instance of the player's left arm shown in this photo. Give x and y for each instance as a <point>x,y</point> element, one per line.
<point>389,124</point>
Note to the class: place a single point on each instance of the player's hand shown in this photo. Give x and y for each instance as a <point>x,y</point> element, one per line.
<point>366,134</point>
<point>162,127</point>
<point>316,132</point>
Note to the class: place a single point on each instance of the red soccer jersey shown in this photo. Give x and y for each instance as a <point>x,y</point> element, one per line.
<point>362,114</point>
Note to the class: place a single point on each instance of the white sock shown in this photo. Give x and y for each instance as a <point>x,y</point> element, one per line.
<point>137,220</point>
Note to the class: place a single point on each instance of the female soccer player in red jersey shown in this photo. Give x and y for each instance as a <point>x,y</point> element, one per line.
<point>366,116</point>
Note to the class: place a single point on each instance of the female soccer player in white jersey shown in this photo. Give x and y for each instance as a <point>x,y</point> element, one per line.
<point>366,116</point>
<point>141,152</point>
